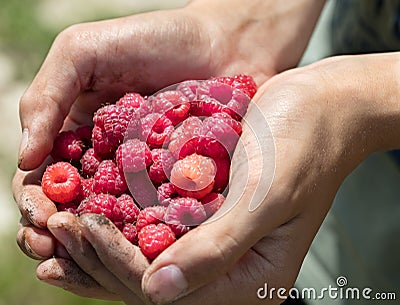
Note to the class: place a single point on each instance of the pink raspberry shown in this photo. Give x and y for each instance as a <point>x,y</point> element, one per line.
<point>205,106</point>
<point>102,204</point>
<point>156,130</point>
<point>125,210</point>
<point>61,182</point>
<point>245,83</point>
<point>130,233</point>
<point>223,128</point>
<point>189,89</point>
<point>193,176</point>
<point>67,146</point>
<point>133,156</point>
<point>189,128</point>
<point>108,179</point>
<point>131,100</point>
<point>142,189</point>
<point>237,106</point>
<point>174,104</point>
<point>160,170</point>
<point>154,239</point>
<point>185,211</point>
<point>165,193</point>
<point>212,202</point>
<point>90,162</point>
<point>150,215</point>
<point>85,134</point>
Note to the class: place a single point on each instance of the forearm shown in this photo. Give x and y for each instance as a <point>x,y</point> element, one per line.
<point>268,32</point>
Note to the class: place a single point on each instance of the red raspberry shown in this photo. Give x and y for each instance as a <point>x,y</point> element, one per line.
<point>156,130</point>
<point>130,233</point>
<point>125,210</point>
<point>237,106</point>
<point>212,202</point>
<point>179,230</point>
<point>61,182</point>
<point>133,156</point>
<point>216,90</point>
<point>85,134</point>
<point>150,215</point>
<point>90,162</point>
<point>142,189</point>
<point>108,179</point>
<point>222,174</point>
<point>160,170</point>
<point>188,129</point>
<point>67,146</point>
<point>174,104</point>
<point>101,144</point>
<point>185,211</point>
<point>189,89</point>
<point>86,188</point>
<point>113,122</point>
<point>131,100</point>
<point>154,239</point>
<point>193,176</point>
<point>205,146</point>
<point>165,193</point>
<point>223,128</point>
<point>245,83</point>
<point>205,107</point>
<point>70,207</point>
<point>102,204</point>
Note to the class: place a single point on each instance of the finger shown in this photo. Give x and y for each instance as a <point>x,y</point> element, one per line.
<point>33,204</point>
<point>120,256</point>
<point>65,228</point>
<point>36,243</point>
<point>66,274</point>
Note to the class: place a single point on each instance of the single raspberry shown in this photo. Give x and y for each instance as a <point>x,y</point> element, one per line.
<point>90,162</point>
<point>222,175</point>
<point>223,128</point>
<point>160,170</point>
<point>150,215</point>
<point>85,134</point>
<point>145,108</point>
<point>205,107</point>
<point>216,90</point>
<point>125,210</point>
<point>245,83</point>
<point>102,204</point>
<point>185,211</point>
<point>70,207</point>
<point>156,130</point>
<point>154,239</point>
<point>61,182</point>
<point>131,100</point>
<point>86,188</point>
<point>101,144</point>
<point>189,128</point>
<point>166,192</point>
<point>205,146</point>
<point>174,104</point>
<point>142,189</point>
<point>133,156</point>
<point>108,179</point>
<point>189,89</point>
<point>212,202</point>
<point>179,230</point>
<point>113,122</point>
<point>130,233</point>
<point>67,146</point>
<point>237,106</point>
<point>193,176</point>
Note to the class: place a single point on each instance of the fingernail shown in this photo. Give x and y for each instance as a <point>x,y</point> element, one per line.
<point>24,144</point>
<point>166,284</point>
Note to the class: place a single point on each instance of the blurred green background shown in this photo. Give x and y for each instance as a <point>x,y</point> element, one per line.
<point>27,29</point>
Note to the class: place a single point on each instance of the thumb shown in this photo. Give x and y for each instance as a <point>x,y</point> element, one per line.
<point>45,105</point>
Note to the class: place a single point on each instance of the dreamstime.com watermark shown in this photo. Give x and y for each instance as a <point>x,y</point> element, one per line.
<point>340,291</point>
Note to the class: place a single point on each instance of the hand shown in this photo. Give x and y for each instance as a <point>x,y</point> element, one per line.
<point>93,63</point>
<point>324,122</point>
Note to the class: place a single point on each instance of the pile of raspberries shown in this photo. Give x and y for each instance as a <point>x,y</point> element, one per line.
<point>155,166</point>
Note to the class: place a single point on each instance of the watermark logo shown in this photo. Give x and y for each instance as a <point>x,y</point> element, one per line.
<point>340,291</point>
